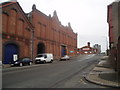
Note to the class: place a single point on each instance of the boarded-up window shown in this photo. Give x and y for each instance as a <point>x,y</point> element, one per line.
<point>4,22</point>
<point>12,21</point>
<point>38,30</point>
<point>43,31</point>
<point>20,27</point>
<point>26,50</point>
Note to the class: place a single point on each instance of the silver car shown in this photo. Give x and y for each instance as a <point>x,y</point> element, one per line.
<point>66,57</point>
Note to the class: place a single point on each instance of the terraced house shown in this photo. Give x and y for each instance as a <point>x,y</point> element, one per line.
<point>27,35</point>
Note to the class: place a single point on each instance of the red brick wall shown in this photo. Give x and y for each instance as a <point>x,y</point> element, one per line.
<point>113,35</point>
<point>110,22</point>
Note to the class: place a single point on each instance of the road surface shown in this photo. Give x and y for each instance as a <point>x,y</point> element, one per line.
<point>59,74</point>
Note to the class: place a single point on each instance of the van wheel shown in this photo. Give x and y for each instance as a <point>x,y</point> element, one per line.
<point>30,63</point>
<point>44,61</point>
<point>51,61</point>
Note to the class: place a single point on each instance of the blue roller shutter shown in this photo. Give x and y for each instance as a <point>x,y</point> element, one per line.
<point>10,50</point>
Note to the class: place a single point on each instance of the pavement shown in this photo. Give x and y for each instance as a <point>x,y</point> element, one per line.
<point>103,74</point>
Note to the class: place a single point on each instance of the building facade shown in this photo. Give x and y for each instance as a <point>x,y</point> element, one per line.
<point>50,36</point>
<point>114,33</point>
<point>27,35</point>
<point>98,48</point>
<point>16,32</point>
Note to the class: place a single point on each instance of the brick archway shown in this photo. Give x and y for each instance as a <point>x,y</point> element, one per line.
<point>9,50</point>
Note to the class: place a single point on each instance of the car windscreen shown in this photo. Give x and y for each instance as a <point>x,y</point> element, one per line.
<point>40,56</point>
<point>26,59</point>
<point>20,59</point>
<point>45,56</point>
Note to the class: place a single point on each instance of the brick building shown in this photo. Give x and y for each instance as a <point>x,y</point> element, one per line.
<point>87,50</point>
<point>98,48</point>
<point>114,33</point>
<point>30,34</point>
<point>16,32</point>
<point>50,36</point>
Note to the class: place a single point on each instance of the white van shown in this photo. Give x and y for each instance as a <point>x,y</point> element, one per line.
<point>46,57</point>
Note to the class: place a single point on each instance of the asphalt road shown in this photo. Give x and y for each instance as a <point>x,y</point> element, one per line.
<point>59,74</point>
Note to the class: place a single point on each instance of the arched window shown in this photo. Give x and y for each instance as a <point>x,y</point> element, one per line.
<point>20,27</point>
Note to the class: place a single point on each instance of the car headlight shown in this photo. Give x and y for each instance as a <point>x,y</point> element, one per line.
<point>16,62</point>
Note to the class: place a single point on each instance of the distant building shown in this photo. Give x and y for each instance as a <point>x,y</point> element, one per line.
<point>98,48</point>
<point>87,50</point>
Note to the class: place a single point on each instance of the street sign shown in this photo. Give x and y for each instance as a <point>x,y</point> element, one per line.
<point>15,57</point>
<point>71,51</point>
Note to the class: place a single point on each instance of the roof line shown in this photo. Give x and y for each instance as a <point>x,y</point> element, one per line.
<point>7,4</point>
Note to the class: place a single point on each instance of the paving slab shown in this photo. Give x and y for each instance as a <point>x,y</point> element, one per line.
<point>103,74</point>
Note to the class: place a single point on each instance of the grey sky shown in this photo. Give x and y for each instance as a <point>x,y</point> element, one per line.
<point>88,18</point>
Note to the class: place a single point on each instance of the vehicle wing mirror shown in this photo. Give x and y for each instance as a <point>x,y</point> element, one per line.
<point>45,56</point>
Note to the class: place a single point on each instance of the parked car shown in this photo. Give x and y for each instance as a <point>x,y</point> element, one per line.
<point>66,57</point>
<point>21,62</point>
<point>46,57</point>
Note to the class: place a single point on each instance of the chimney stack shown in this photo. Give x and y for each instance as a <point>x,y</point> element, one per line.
<point>89,44</point>
<point>33,7</point>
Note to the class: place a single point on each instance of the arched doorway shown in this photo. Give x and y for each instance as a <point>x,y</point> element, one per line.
<point>40,48</point>
<point>63,50</point>
<point>9,50</point>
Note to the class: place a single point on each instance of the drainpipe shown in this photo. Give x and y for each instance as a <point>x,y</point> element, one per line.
<point>32,45</point>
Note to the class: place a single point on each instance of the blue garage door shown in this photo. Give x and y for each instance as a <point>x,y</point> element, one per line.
<point>9,51</point>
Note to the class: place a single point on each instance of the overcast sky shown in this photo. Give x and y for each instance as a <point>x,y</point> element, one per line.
<point>88,18</point>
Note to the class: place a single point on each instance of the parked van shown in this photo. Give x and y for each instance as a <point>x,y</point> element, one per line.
<point>46,57</point>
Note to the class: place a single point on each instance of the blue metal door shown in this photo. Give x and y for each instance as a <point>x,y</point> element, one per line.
<point>63,51</point>
<point>9,51</point>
